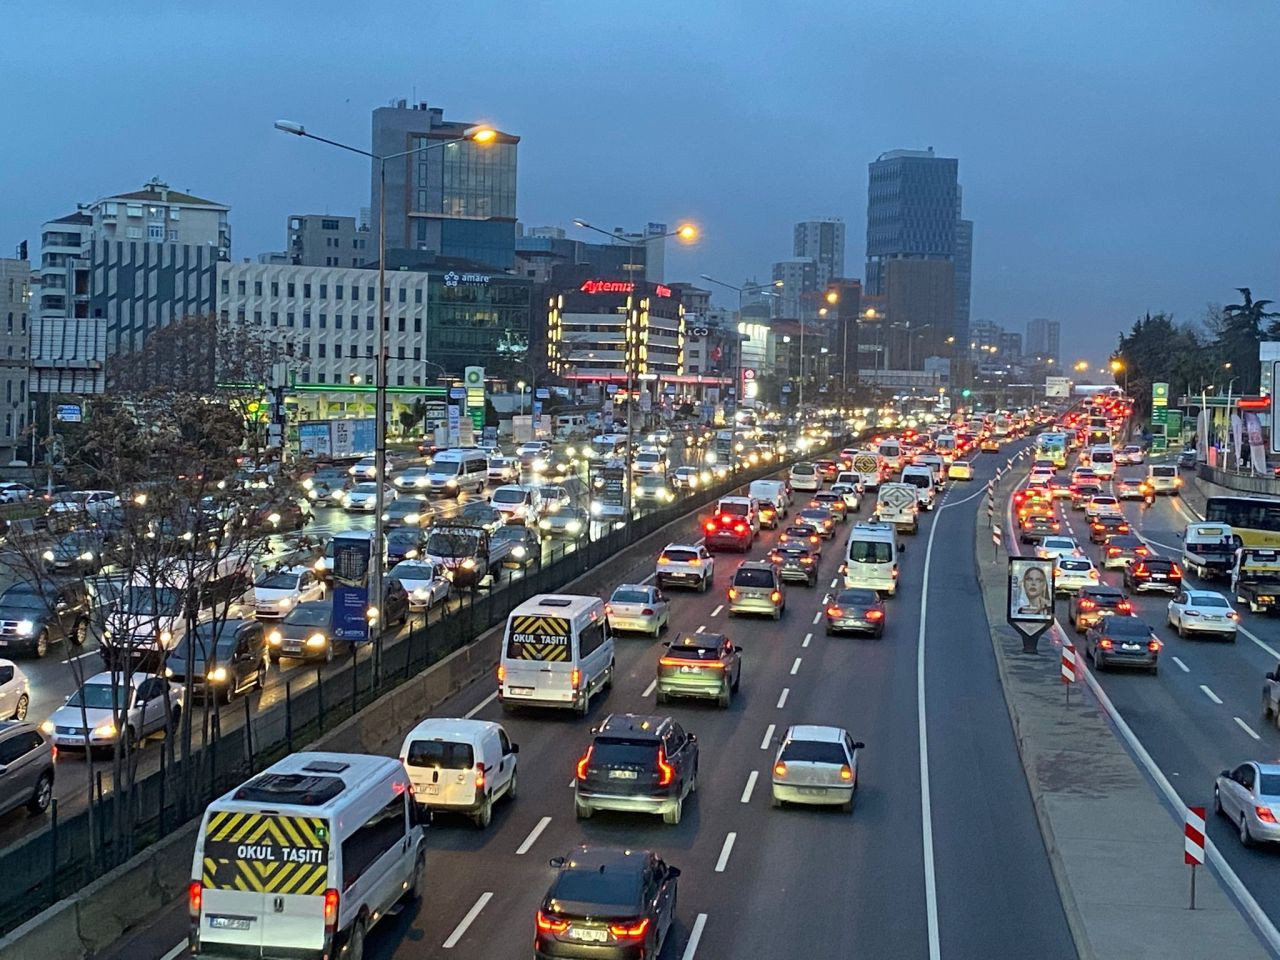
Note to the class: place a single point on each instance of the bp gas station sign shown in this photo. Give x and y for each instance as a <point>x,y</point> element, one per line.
<point>1159,417</point>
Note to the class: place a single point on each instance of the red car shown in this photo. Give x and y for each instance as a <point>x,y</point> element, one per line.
<point>726,530</point>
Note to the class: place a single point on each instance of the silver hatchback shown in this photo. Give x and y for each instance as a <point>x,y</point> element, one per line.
<point>757,588</point>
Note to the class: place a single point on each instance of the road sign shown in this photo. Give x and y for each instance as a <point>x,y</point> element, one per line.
<point>1193,843</point>
<point>1159,402</point>
<point>1068,662</point>
<point>457,393</point>
<point>542,393</point>
<point>69,413</point>
<point>996,536</point>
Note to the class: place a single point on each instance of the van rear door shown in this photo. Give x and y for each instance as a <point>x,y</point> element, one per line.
<point>442,771</point>
<point>264,878</point>
<point>538,659</point>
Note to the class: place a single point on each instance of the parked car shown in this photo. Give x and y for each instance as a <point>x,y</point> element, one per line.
<point>15,691</point>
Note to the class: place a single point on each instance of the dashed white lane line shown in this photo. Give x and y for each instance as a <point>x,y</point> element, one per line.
<point>80,656</point>
<point>816,617</point>
<point>1246,728</point>
<point>481,705</point>
<point>807,638</point>
<point>834,582</point>
<point>1210,694</point>
<point>782,700</point>
<point>695,937</point>
<point>795,666</point>
<point>1275,654</point>
<point>534,834</point>
<point>649,689</point>
<point>716,611</point>
<point>460,930</point>
<point>1182,666</point>
<point>175,952</point>
<point>751,785</point>
<point>768,737</point>
<point>701,628</point>
<point>727,849</point>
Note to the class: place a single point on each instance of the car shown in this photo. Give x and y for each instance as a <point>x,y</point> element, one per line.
<point>1058,488</point>
<point>517,503</point>
<point>638,607</point>
<point>1037,526</point>
<point>611,903</point>
<point>1186,460</point>
<point>1122,641</point>
<point>1118,549</point>
<point>851,494</point>
<point>89,718</point>
<point>1040,477</point>
<point>757,588</point>
<point>960,470</point>
<point>1203,612</point>
<point>460,765</point>
<point>819,519</point>
<point>481,514</point>
<point>567,523</point>
<point>221,657</point>
<point>15,691</point>
<point>1106,526</point>
<point>1070,574</point>
<point>653,488</point>
<point>408,512</point>
<point>35,615</point>
<point>1128,488</point>
<point>1082,492</point>
<point>554,498</point>
<point>816,765</point>
<point>84,504</point>
<point>854,609</point>
<point>277,591</point>
<point>533,448</point>
<point>518,545</point>
<point>686,478</point>
<point>688,565</point>
<point>1249,796</point>
<point>366,468</point>
<point>799,533</point>
<point>503,469</point>
<point>728,531</point>
<point>1094,603</point>
<point>413,481</point>
<point>1153,573</point>
<point>1101,505</point>
<point>989,445</point>
<point>797,561</point>
<point>1084,475</point>
<point>14,492</point>
<point>328,485</point>
<point>832,501</point>
<point>363,497</point>
<point>27,767</point>
<point>423,581</point>
<point>1131,452</point>
<point>83,553</point>
<point>649,459</point>
<point>1050,548</point>
<point>637,764</point>
<point>403,543</point>
<point>304,634</point>
<point>703,665</point>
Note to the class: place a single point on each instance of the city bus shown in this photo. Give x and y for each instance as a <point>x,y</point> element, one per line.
<point>1052,446</point>
<point>1255,520</point>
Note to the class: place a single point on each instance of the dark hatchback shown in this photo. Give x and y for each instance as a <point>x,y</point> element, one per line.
<point>637,764</point>
<point>1092,604</point>
<point>1037,527</point>
<point>1107,526</point>
<point>1153,573</point>
<point>797,562</point>
<point>855,610</point>
<point>1122,642</point>
<point>607,903</point>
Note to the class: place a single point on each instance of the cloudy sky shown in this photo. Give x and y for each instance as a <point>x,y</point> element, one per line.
<point>1116,158</point>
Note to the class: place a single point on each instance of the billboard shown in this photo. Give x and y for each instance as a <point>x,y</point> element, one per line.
<point>352,555</point>
<point>337,438</point>
<point>1030,597</point>
<point>1057,388</point>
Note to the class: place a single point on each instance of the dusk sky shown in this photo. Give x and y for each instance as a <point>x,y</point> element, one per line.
<point>1115,158</point>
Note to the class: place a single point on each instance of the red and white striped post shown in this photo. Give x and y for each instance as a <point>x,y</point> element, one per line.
<point>1068,666</point>
<point>1193,845</point>
<point>996,539</point>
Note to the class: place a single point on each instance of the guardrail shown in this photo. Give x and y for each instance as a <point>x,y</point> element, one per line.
<point>72,852</point>
<point>1244,482</point>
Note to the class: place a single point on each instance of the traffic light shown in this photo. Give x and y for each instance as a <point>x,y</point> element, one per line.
<point>966,392</point>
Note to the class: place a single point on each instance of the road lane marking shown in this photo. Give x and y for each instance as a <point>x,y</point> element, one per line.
<point>1182,666</point>
<point>1210,694</point>
<point>926,803</point>
<point>534,834</point>
<point>175,952</point>
<point>481,705</point>
<point>649,689</point>
<point>716,611</point>
<point>807,638</point>
<point>834,582</point>
<point>782,700</point>
<point>695,937</point>
<point>1265,646</point>
<point>725,851</point>
<point>768,737</point>
<point>701,627</point>
<point>795,666</point>
<point>469,919</point>
<point>751,785</point>
<point>1246,728</point>
<point>80,656</point>
<point>816,617</point>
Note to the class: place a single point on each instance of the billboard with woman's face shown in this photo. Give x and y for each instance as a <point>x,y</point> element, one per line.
<point>1030,592</point>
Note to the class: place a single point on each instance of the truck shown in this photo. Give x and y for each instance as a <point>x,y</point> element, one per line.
<point>898,504</point>
<point>462,549</point>
<point>1255,578</point>
<point>1209,549</point>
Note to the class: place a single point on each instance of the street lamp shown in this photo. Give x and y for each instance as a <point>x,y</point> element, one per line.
<point>476,134</point>
<point>521,386</point>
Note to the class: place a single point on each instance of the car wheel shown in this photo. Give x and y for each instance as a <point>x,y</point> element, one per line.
<point>42,794</point>
<point>20,712</point>
<point>660,697</point>
<point>1246,838</point>
<point>1217,801</point>
<point>830,632</point>
<point>417,886</point>
<point>706,583</point>
<point>355,942</point>
<point>511,786</point>
<point>40,646</point>
<point>671,817</point>
<point>582,810</point>
<point>774,801</point>
<point>1182,630</point>
<point>847,806</point>
<point>484,816</point>
<point>80,634</point>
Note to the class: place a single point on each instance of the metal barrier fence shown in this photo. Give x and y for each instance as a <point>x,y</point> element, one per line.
<point>1240,482</point>
<point>73,851</point>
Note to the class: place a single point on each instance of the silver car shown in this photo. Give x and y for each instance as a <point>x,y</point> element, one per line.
<point>26,767</point>
<point>15,691</point>
<point>816,765</point>
<point>757,588</point>
<point>1249,796</point>
<point>638,607</point>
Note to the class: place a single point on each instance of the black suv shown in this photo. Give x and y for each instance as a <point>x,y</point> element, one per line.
<point>34,615</point>
<point>637,764</point>
<point>1153,573</point>
<point>1091,604</point>
<point>797,561</point>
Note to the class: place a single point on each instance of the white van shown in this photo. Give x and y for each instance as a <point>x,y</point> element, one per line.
<point>517,503</point>
<point>890,452</point>
<point>455,471</point>
<point>771,491</point>
<point>898,504</point>
<point>805,476</point>
<point>303,858</point>
<point>869,466</point>
<point>1103,461</point>
<point>920,476</point>
<point>1164,478</point>
<point>557,651</point>
<point>460,765</point>
<point>871,558</point>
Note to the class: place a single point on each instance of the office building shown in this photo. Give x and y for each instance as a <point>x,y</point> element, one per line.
<point>920,299</point>
<point>541,251</point>
<point>63,290</point>
<point>797,296</point>
<point>822,241</point>
<point>457,200</point>
<point>322,240</point>
<point>1010,347</point>
<point>964,276</point>
<point>591,329</point>
<point>15,314</point>
<point>1044,339</point>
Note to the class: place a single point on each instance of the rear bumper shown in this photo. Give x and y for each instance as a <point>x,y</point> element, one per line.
<point>709,687</point>
<point>754,606</point>
<point>620,803</point>
<point>854,624</point>
<point>824,796</point>
<point>798,574</point>
<point>1134,658</point>
<point>734,542</point>
<point>551,949</point>
<point>683,578</point>
<point>1216,627</point>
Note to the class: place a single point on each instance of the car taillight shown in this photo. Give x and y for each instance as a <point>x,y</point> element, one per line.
<point>808,560</point>
<point>1112,551</point>
<point>733,593</point>
<point>874,614</point>
<point>1175,570</point>
<point>584,761</point>
<point>835,612</point>
<point>1191,613</point>
<point>332,900</point>
<point>780,769</point>
<point>551,924</point>
<point>776,596</point>
<point>1105,644</point>
<point>663,560</point>
<point>666,772</point>
<point>502,673</point>
<point>53,749</point>
<point>1154,646</point>
<point>1265,814</point>
<point>1087,604</point>
<point>1124,606</point>
<point>846,772</point>
<point>1140,570</point>
<point>632,931</point>
<point>195,898</point>
<point>575,678</point>
<point>813,538</point>
<point>739,528</point>
<point>711,526</point>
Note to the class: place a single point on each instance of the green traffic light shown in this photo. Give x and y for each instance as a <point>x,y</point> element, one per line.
<point>966,392</point>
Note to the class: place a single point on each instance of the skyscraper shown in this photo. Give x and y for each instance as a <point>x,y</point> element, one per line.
<point>822,241</point>
<point>797,295</point>
<point>1044,339</point>
<point>456,201</point>
<point>964,276</point>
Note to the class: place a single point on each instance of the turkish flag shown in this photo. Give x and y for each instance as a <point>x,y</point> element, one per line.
<point>716,354</point>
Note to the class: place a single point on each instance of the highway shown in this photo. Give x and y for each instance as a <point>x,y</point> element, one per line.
<point>886,881</point>
<point>1202,713</point>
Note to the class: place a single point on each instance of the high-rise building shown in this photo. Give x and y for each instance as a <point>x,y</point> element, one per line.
<point>797,295</point>
<point>457,201</point>
<point>920,299</point>
<point>964,276</point>
<point>591,330</point>
<point>1010,347</point>
<point>322,240</point>
<point>15,312</point>
<point>1044,339</point>
<point>823,242</point>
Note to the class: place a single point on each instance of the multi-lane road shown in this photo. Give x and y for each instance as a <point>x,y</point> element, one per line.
<point>941,851</point>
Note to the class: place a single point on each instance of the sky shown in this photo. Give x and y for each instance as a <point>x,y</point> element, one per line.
<point>1116,158</point>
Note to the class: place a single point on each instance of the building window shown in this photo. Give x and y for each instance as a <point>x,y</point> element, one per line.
<point>306,290</point>
<point>240,287</point>
<point>400,353</point>
<point>403,294</point>
<point>110,209</point>
<point>306,319</point>
<point>133,210</point>
<point>133,233</point>
<point>322,378</point>
<point>155,231</point>
<point>257,288</point>
<point>173,213</point>
<point>353,243</point>
<point>337,322</point>
<point>417,353</point>
<point>328,225</point>
<point>400,324</point>
<point>370,295</point>
<point>226,286</point>
<point>399,383</point>
<point>289,289</point>
<point>368,322</point>
<point>368,349</point>
<point>337,290</point>
<point>275,319</point>
<point>173,236</point>
<point>275,288</point>
<point>321,349</point>
<point>257,317</point>
<point>288,319</point>
<point>324,291</point>
<point>324,318</point>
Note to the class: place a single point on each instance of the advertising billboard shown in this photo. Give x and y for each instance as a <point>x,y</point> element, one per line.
<point>352,555</point>
<point>1057,388</point>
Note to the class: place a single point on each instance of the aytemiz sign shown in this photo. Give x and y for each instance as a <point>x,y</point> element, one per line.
<point>618,286</point>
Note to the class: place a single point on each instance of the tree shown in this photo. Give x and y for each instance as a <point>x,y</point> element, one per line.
<point>1240,333</point>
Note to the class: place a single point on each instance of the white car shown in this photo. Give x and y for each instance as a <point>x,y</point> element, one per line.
<point>686,478</point>
<point>504,469</point>
<point>649,460</point>
<point>517,504</point>
<point>413,480</point>
<point>1102,506</point>
<point>364,497</point>
<point>1055,547</point>
<point>1203,612</point>
<point>92,503</point>
<point>817,765</point>
<point>15,492</point>
<point>276,592</point>
<point>425,583</point>
<point>366,468</point>
<point>688,565</point>
<point>554,498</point>
<point>1039,478</point>
<point>1131,452</point>
<point>638,607</point>
<point>1070,574</point>
<point>15,691</point>
<point>148,703</point>
<point>960,470</point>
<point>1249,796</point>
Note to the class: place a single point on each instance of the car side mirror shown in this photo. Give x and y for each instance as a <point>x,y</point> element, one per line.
<point>515,748</point>
<point>693,738</point>
<point>902,547</point>
<point>1225,773</point>
<point>858,745</point>
<point>557,862</point>
<point>1271,675</point>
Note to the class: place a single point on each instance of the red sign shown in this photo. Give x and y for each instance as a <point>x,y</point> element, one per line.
<point>1193,848</point>
<point>618,286</point>
<point>748,374</point>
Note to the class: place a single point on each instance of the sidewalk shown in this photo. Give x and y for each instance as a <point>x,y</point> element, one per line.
<point>1115,848</point>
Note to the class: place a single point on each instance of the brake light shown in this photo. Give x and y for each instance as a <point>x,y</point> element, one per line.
<point>479,776</point>
<point>711,526</point>
<point>195,898</point>
<point>663,559</point>
<point>633,931</point>
<point>575,677</point>
<point>1124,606</point>
<point>1087,604</point>
<point>1265,814</point>
<point>1104,643</point>
<point>584,761</point>
<point>733,593</point>
<point>1093,574</point>
<point>696,561</point>
<point>551,924</point>
<point>780,769</point>
<point>332,899</point>
<point>875,614</point>
<point>808,560</point>
<point>1154,646</point>
<point>1112,551</point>
<point>53,751</point>
<point>1175,570</point>
<point>776,597</point>
<point>739,528</point>
<point>813,538</point>
<point>835,612</point>
<point>846,772</point>
<point>666,772</point>
<point>1140,570</point>
<point>502,673</point>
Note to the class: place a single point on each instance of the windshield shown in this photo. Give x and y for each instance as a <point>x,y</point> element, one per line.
<point>24,596</point>
<point>453,544</point>
<point>366,488</point>
<point>148,601</point>
<point>201,644</point>
<point>509,495</point>
<point>77,543</point>
<point>648,457</point>
<point>1075,566</point>
<point>277,581</point>
<point>870,551</point>
<point>412,571</point>
<point>312,614</point>
<point>98,696</point>
<point>445,468</point>
<point>1101,456</point>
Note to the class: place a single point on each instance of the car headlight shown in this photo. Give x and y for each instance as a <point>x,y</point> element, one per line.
<point>275,637</point>
<point>539,465</point>
<point>107,729</point>
<point>451,483</point>
<point>596,508</point>
<point>48,555</point>
<point>570,452</point>
<point>26,628</point>
<point>519,552</point>
<point>313,494</point>
<point>544,524</point>
<point>320,565</point>
<point>420,482</point>
<point>166,636</point>
<point>573,526</point>
<point>340,496</point>
<point>468,564</point>
<point>317,640</point>
<point>168,671</point>
<point>217,675</point>
<point>48,726</point>
<point>421,593</point>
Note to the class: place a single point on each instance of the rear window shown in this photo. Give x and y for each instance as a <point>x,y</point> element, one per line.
<point>693,653</point>
<point>1101,457</point>
<point>440,753</point>
<point>680,556</point>
<point>1269,784</point>
<point>1203,600</point>
<point>606,888</point>
<point>814,751</point>
<point>803,470</point>
<point>632,753</point>
<point>1075,566</point>
<point>1157,564</point>
<point>752,577</point>
<point>630,596</point>
<point>1164,471</point>
<point>870,551</point>
<point>920,480</point>
<point>737,509</point>
<point>1128,626</point>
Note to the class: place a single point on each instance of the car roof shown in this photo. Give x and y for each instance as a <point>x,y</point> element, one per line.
<point>815,732</point>
<point>704,640</point>
<point>108,677</point>
<point>452,728</point>
<point>633,586</point>
<point>755,565</point>
<point>1103,590</point>
<point>680,546</point>
<point>633,725</point>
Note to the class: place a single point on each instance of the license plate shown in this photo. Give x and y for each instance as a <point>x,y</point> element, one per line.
<point>589,935</point>
<point>812,791</point>
<point>71,740</point>
<point>690,669</point>
<point>1157,576</point>
<point>1131,646</point>
<point>431,789</point>
<point>520,691</point>
<point>622,775</point>
<point>229,923</point>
